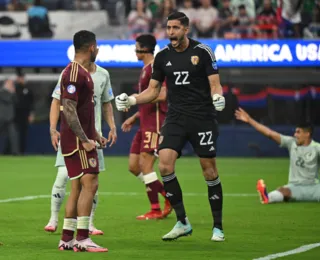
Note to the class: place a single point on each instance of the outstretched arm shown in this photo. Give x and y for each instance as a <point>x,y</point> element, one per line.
<point>266,131</point>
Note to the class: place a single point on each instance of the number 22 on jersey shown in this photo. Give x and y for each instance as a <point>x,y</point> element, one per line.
<point>181,77</point>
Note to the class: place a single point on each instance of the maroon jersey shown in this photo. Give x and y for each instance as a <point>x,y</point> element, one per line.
<point>151,115</point>
<point>76,84</point>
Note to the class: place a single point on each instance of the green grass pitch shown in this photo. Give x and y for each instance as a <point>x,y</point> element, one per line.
<point>252,230</point>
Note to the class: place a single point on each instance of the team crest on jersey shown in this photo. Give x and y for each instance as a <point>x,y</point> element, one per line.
<point>92,162</point>
<point>195,60</point>
<point>71,89</point>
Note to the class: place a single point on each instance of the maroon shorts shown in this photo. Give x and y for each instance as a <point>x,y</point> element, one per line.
<point>82,162</point>
<point>144,142</point>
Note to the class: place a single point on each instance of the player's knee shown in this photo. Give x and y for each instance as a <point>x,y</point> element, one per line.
<point>165,168</point>
<point>62,178</point>
<point>209,168</point>
<point>134,168</point>
<point>210,173</point>
<point>146,163</point>
<point>286,192</point>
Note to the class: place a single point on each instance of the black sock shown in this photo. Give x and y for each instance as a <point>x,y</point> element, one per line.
<point>215,199</point>
<point>174,195</point>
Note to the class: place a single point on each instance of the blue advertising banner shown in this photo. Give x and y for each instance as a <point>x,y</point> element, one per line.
<point>120,53</point>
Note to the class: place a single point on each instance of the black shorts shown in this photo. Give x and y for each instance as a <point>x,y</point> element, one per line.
<point>179,129</point>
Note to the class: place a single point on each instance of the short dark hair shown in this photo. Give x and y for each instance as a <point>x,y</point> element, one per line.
<point>147,41</point>
<point>83,39</point>
<point>184,20</point>
<point>241,7</point>
<point>306,126</point>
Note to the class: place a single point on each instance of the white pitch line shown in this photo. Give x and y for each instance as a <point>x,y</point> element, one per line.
<point>298,250</point>
<point>124,194</point>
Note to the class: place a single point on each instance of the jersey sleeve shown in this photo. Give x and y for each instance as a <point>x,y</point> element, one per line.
<point>286,141</point>
<point>210,62</point>
<point>72,82</point>
<point>57,92</point>
<point>107,94</point>
<point>157,68</point>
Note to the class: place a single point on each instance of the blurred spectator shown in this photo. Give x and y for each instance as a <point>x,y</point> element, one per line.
<point>7,125</point>
<point>38,21</point>
<point>17,5</point>
<point>226,20</point>
<point>244,23</point>
<point>139,20</point>
<point>267,21</point>
<point>206,20</point>
<point>191,12</point>
<point>291,18</point>
<point>87,5</point>
<point>314,27</point>
<point>160,21</point>
<point>249,6</point>
<point>24,114</point>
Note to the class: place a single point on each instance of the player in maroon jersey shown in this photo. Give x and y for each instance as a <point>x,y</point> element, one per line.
<point>145,143</point>
<point>78,144</point>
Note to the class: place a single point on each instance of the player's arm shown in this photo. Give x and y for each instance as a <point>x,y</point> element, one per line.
<point>266,131</point>
<point>127,125</point>
<point>70,113</point>
<point>54,118</point>
<point>109,118</point>
<point>55,114</point>
<point>212,72</point>
<point>123,102</point>
<point>107,109</point>
<point>162,95</point>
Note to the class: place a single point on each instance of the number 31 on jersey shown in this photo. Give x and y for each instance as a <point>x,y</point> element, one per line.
<point>181,77</point>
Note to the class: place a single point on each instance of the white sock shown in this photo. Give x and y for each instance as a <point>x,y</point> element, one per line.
<point>94,206</point>
<point>83,222</point>
<point>58,192</point>
<point>150,177</point>
<point>140,177</point>
<point>70,224</point>
<point>275,196</point>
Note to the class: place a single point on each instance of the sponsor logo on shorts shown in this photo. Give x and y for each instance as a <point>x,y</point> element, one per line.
<point>92,162</point>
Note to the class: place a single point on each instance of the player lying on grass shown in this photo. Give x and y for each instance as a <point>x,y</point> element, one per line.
<point>103,96</point>
<point>304,154</point>
<point>145,143</point>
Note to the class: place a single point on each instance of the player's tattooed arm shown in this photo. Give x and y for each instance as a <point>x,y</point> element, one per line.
<point>215,85</point>
<point>70,113</point>
<point>151,93</point>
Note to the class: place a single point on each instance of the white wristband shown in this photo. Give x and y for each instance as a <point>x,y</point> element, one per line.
<point>132,100</point>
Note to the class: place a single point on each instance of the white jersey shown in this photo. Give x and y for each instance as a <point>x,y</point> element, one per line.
<point>102,94</point>
<point>304,161</point>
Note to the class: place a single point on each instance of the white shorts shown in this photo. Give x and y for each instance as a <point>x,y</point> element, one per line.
<point>304,192</point>
<point>60,160</point>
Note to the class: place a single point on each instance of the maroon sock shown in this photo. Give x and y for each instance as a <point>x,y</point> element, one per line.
<point>67,235</point>
<point>152,192</point>
<point>82,234</point>
<point>161,188</point>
